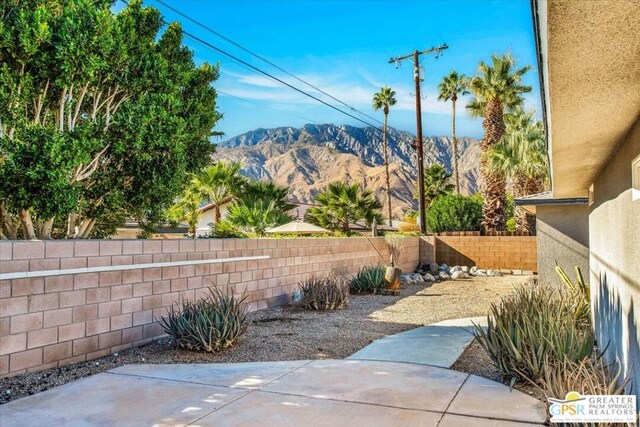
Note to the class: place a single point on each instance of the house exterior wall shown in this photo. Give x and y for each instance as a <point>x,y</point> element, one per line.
<point>69,315</point>
<point>563,238</point>
<point>614,242</point>
<point>209,217</point>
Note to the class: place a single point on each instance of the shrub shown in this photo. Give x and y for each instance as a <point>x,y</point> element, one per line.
<point>591,376</point>
<point>368,279</point>
<point>225,230</point>
<point>210,324</point>
<point>329,293</point>
<point>533,325</point>
<point>455,212</point>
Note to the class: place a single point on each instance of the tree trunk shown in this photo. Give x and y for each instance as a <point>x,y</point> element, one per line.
<point>454,143</point>
<point>71,226</point>
<point>27,224</point>
<point>386,165</point>
<point>524,186</point>
<point>217,214</point>
<point>85,228</point>
<point>494,187</point>
<point>9,229</point>
<point>46,228</point>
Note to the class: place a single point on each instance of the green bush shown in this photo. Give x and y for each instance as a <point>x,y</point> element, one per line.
<point>210,324</point>
<point>328,293</point>
<point>368,279</point>
<point>530,327</point>
<point>225,230</point>
<point>455,212</point>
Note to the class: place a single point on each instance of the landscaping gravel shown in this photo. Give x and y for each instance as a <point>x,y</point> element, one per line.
<point>291,334</point>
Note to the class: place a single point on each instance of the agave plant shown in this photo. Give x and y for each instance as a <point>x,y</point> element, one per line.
<point>328,293</point>
<point>531,326</point>
<point>210,324</point>
<point>368,279</point>
<point>580,294</point>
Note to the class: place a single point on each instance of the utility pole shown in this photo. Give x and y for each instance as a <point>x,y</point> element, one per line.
<point>416,76</point>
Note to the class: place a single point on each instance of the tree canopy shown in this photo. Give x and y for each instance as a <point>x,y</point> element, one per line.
<point>102,116</point>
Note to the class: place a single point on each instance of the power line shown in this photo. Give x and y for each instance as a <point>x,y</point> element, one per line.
<point>265,106</point>
<point>260,71</point>
<point>207,28</point>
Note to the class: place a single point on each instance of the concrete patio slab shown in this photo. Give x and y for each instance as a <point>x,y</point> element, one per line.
<point>280,410</point>
<point>117,400</point>
<point>382,383</point>
<point>237,375</point>
<point>317,393</point>
<point>440,344</point>
<point>462,421</point>
<point>510,404</point>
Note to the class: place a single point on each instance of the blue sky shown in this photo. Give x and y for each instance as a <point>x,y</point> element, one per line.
<point>343,47</point>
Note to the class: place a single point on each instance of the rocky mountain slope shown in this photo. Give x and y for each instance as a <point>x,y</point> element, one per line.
<point>308,158</point>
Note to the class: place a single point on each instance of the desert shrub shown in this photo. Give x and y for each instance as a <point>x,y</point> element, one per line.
<point>531,326</point>
<point>591,376</point>
<point>210,324</point>
<point>368,279</point>
<point>455,212</point>
<point>580,294</point>
<point>328,293</point>
<point>408,227</point>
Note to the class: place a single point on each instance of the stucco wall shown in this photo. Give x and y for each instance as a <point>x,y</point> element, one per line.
<point>614,241</point>
<point>85,299</point>
<point>563,237</point>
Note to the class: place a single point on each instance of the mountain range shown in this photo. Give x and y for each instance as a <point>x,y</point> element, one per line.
<point>308,158</point>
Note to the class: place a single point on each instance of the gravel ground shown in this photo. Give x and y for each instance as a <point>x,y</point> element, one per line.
<point>291,334</point>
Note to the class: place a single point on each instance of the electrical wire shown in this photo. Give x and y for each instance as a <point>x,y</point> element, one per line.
<point>265,73</point>
<point>227,39</point>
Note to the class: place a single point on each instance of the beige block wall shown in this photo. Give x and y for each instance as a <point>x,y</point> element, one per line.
<point>56,320</point>
<point>506,252</point>
<point>614,242</point>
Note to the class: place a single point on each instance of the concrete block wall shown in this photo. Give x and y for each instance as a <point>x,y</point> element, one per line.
<point>86,299</point>
<point>506,252</point>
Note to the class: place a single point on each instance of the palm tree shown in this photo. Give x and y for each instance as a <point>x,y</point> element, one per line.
<point>522,157</point>
<point>385,99</point>
<point>437,182</point>
<point>256,215</point>
<point>187,209</point>
<point>268,191</point>
<point>449,88</point>
<point>342,204</point>
<point>497,89</point>
<point>219,184</point>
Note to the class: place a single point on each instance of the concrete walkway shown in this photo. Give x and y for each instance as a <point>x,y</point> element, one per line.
<point>439,344</point>
<point>298,393</point>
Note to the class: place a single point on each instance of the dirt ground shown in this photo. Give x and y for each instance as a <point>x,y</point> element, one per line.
<point>292,334</point>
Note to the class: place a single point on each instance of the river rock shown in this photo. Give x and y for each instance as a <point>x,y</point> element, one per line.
<point>459,275</point>
<point>444,276</point>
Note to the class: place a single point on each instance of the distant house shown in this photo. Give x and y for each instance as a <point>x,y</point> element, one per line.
<point>589,64</point>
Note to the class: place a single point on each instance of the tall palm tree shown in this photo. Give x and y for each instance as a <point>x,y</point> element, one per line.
<point>383,100</point>
<point>497,89</point>
<point>219,184</point>
<point>437,182</point>
<point>521,156</point>
<point>449,88</point>
<point>341,204</point>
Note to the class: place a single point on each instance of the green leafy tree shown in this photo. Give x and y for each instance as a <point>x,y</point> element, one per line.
<point>455,212</point>
<point>102,116</point>
<point>341,204</point>
<point>437,182</point>
<point>521,156</point>
<point>449,88</point>
<point>219,184</point>
<point>384,100</point>
<point>497,89</point>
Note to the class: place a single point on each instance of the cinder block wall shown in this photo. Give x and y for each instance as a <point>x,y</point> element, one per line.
<point>506,252</point>
<point>73,316</point>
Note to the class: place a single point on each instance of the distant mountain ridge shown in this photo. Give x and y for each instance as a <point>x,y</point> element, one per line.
<point>308,158</point>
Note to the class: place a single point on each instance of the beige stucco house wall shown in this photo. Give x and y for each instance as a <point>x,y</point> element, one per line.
<point>563,238</point>
<point>614,241</point>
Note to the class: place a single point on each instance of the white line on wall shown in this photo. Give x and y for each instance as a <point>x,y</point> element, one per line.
<point>45,273</point>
